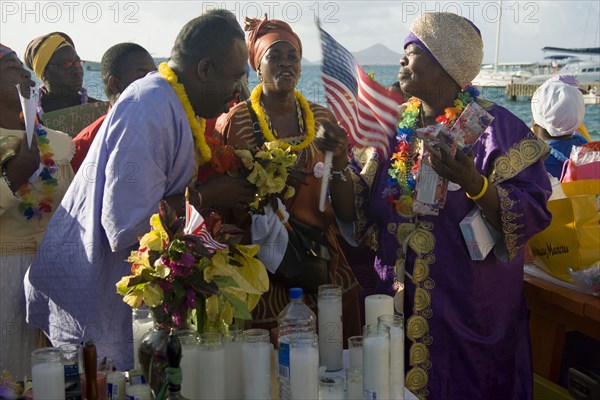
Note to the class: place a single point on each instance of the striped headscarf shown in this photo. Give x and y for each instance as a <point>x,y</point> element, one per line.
<point>4,50</point>
<point>41,49</point>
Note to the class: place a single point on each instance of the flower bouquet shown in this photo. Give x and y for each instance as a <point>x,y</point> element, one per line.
<point>193,273</point>
<point>268,169</point>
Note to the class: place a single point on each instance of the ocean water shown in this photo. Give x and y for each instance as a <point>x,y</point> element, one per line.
<point>312,87</point>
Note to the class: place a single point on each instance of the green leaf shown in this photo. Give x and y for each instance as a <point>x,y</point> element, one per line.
<point>178,290</point>
<point>240,309</point>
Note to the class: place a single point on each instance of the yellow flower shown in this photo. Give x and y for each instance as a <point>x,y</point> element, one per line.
<point>227,313</point>
<point>134,299</point>
<point>152,240</point>
<point>246,157</point>
<point>212,307</point>
<point>153,295</point>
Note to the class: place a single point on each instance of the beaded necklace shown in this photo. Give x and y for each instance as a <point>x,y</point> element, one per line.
<point>265,124</point>
<point>37,202</point>
<point>198,125</point>
<point>400,185</point>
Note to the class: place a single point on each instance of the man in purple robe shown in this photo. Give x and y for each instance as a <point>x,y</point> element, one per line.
<point>467,333</point>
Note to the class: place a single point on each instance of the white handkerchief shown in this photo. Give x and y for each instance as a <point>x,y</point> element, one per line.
<point>271,235</point>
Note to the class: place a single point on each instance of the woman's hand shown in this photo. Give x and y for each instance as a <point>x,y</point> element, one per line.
<point>459,168</point>
<point>21,167</point>
<point>332,137</point>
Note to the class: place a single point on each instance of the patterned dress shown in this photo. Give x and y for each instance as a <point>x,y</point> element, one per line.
<point>236,128</point>
<point>466,321</point>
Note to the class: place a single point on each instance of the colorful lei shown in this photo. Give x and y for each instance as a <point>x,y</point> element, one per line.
<point>198,125</point>
<point>265,125</point>
<point>405,159</point>
<point>39,202</point>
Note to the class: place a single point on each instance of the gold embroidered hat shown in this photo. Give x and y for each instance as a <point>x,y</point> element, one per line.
<point>453,41</point>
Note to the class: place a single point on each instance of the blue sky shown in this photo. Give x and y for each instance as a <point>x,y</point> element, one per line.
<point>526,26</point>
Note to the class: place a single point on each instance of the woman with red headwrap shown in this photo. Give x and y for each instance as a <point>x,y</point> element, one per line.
<point>276,111</point>
<point>33,180</point>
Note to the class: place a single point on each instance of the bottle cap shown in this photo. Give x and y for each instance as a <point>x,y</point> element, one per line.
<point>296,293</point>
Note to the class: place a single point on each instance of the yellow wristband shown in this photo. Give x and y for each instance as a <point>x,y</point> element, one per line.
<point>483,190</point>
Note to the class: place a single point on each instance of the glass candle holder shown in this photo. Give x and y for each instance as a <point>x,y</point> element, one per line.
<point>396,325</point>
<point>233,366</point>
<point>331,341</point>
<point>355,351</point>
<point>331,388</point>
<point>210,370</point>
<point>47,374</point>
<point>304,366</point>
<point>141,322</point>
<point>376,362</point>
<point>189,361</point>
<point>256,360</point>
<point>72,358</point>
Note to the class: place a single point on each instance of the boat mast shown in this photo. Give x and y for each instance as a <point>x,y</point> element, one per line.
<point>498,36</point>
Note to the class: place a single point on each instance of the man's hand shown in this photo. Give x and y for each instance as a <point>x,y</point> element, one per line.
<point>226,192</point>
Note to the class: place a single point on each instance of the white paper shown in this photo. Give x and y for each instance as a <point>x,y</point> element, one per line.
<point>29,107</point>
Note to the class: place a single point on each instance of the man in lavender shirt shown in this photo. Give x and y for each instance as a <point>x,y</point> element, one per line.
<point>145,152</point>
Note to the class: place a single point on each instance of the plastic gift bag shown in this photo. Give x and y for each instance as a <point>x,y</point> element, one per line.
<point>573,238</point>
<point>583,163</point>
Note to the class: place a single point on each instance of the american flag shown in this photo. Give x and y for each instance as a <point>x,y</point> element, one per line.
<point>195,225</point>
<point>365,109</point>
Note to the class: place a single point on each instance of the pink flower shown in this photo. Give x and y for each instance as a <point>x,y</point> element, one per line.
<point>177,319</point>
<point>190,298</point>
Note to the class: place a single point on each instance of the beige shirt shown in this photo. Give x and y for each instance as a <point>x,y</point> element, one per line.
<point>18,235</point>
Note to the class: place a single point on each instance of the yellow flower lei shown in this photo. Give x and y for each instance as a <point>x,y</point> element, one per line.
<point>272,136</point>
<point>198,125</point>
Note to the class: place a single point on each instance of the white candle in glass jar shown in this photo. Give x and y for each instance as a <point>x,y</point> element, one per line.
<point>233,366</point>
<point>210,370</point>
<point>189,367</point>
<point>354,384</point>
<point>376,362</point>
<point>330,327</point>
<point>304,369</point>
<point>396,325</point>
<point>48,381</point>
<point>376,305</point>
<point>256,358</point>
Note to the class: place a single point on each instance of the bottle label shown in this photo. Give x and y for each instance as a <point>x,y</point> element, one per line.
<point>284,360</point>
<point>370,394</point>
<point>113,391</point>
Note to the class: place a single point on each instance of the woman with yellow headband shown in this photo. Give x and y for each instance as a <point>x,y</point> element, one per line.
<point>55,62</point>
<point>33,180</point>
<point>276,111</point>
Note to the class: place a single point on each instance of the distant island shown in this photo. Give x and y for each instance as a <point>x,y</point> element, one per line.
<point>378,54</point>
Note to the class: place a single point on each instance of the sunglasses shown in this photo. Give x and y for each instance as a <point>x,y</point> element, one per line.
<point>69,64</point>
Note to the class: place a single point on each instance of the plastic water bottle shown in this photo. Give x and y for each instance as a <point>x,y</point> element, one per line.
<point>295,319</point>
